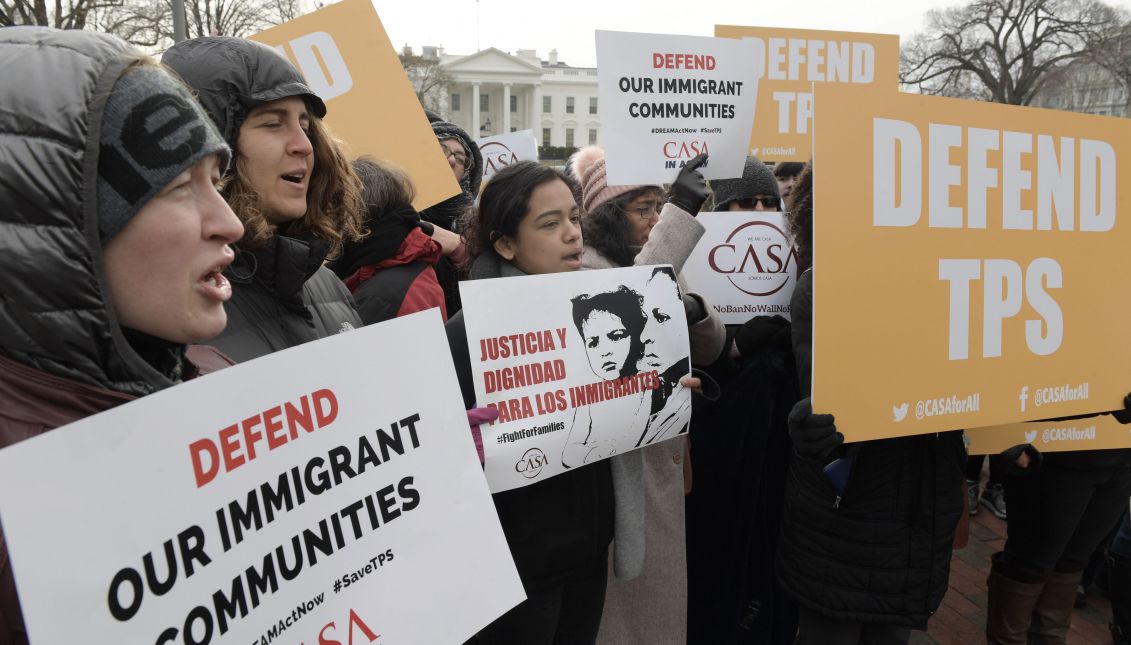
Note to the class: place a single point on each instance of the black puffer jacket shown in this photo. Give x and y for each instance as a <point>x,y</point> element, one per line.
<point>883,553</point>
<point>54,312</point>
<point>282,296</point>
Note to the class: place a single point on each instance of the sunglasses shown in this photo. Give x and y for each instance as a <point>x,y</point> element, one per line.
<point>459,156</point>
<point>749,203</point>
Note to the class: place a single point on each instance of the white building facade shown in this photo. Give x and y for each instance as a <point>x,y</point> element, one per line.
<point>492,92</point>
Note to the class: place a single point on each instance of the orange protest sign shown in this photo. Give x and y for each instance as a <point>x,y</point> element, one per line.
<point>791,61</point>
<point>1094,433</point>
<point>971,262</point>
<point>347,59</point>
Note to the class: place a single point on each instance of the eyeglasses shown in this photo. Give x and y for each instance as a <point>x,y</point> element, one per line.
<point>458,155</point>
<point>648,211</point>
<point>748,203</point>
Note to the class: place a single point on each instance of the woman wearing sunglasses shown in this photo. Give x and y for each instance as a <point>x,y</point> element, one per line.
<point>756,190</point>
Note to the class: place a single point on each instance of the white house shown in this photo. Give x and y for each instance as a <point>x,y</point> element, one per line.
<point>503,92</point>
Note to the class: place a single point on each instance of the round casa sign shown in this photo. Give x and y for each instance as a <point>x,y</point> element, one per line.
<point>757,258</point>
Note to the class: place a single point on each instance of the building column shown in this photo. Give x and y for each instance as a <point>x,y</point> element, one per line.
<point>536,113</point>
<point>506,108</point>
<point>474,111</point>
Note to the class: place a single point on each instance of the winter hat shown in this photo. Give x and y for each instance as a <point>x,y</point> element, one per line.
<point>594,189</point>
<point>473,173</point>
<point>757,179</point>
<point>232,76</point>
<point>152,131</point>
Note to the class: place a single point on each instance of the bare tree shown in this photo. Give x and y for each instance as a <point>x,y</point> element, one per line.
<point>429,79</point>
<point>149,23</point>
<point>71,15</point>
<point>1004,50</point>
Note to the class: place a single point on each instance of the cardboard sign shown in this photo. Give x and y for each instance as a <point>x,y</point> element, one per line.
<point>302,497</point>
<point>745,265</point>
<point>965,260</point>
<point>347,59</point>
<point>1102,432</point>
<point>581,366</point>
<point>503,150</point>
<point>790,62</point>
<point>665,99</point>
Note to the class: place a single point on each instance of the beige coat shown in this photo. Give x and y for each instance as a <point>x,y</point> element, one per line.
<point>646,600</point>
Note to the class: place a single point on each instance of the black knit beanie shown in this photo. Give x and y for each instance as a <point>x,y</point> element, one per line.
<point>757,179</point>
<point>152,131</point>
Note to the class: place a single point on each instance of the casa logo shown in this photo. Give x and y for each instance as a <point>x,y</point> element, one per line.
<point>496,156</point>
<point>684,149</point>
<point>531,463</point>
<point>756,257</point>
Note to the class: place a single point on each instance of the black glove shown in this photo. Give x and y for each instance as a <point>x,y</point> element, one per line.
<point>689,190</point>
<point>813,435</point>
<point>1009,460</point>
<point>693,309</point>
<point>1124,416</point>
<point>762,331</point>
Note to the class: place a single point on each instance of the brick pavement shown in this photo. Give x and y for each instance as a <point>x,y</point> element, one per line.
<point>961,620</point>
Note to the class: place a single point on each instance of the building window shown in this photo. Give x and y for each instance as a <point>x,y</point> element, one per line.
<point>592,137</point>
<point>547,105</point>
<point>485,102</point>
<point>592,105</point>
<point>455,102</point>
<point>545,136</point>
<point>569,105</point>
<point>514,103</point>
<point>569,137</point>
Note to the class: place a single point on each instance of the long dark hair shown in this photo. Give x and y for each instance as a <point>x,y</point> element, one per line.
<point>606,229</point>
<point>504,202</point>
<point>625,304</point>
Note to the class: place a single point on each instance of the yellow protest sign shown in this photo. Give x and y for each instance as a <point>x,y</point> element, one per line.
<point>1094,433</point>
<point>973,267</point>
<point>347,59</point>
<point>791,62</point>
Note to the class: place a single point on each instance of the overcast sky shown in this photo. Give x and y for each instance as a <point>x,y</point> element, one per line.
<point>568,25</point>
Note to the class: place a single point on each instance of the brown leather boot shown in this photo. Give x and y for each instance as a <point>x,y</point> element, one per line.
<point>1010,608</point>
<point>1053,613</point>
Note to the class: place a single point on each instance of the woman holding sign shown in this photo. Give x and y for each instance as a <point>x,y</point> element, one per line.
<point>296,194</point>
<point>558,529</point>
<point>116,236</point>
<point>893,505</point>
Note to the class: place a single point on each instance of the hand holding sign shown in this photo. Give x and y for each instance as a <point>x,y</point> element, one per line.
<point>689,190</point>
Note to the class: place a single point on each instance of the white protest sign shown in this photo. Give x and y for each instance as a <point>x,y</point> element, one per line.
<point>664,99</point>
<point>580,365</point>
<point>304,497</point>
<point>744,265</point>
<point>503,150</point>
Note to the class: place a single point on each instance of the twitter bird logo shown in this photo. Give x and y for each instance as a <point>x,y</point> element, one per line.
<point>1030,435</point>
<point>899,412</point>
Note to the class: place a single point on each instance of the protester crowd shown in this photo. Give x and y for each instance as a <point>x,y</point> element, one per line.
<point>161,221</point>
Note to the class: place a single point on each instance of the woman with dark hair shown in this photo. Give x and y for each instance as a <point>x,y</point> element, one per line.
<point>289,184</point>
<point>115,238</point>
<point>391,272</point>
<point>528,223</point>
<point>639,225</point>
<point>611,326</point>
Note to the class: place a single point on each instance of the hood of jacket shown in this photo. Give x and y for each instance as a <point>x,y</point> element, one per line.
<point>473,174</point>
<point>55,313</point>
<point>231,76</point>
